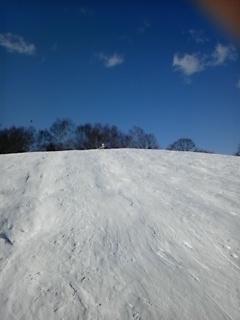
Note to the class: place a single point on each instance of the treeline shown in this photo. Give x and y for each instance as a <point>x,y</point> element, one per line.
<point>63,134</point>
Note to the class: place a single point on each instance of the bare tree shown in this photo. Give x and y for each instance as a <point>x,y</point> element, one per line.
<point>14,140</point>
<point>183,144</point>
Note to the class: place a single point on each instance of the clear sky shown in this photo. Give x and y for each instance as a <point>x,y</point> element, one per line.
<point>161,65</point>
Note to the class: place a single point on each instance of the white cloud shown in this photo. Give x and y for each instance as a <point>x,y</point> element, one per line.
<point>188,64</point>
<point>222,54</point>
<point>111,61</point>
<point>16,43</point>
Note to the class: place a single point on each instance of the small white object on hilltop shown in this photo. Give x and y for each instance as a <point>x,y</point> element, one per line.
<point>102,146</point>
<point>120,234</point>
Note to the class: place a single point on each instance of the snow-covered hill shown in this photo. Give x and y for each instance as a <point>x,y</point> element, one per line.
<point>119,234</point>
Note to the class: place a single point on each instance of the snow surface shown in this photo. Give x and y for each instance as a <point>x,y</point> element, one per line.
<point>119,234</point>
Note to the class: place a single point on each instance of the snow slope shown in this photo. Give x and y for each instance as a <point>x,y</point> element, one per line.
<point>119,234</point>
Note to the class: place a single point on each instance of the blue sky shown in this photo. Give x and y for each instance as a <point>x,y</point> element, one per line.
<point>164,67</point>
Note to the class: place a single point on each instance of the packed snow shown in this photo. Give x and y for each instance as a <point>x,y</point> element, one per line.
<point>119,234</point>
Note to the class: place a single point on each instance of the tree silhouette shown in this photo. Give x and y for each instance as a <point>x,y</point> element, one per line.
<point>183,144</point>
<point>14,140</point>
<point>64,135</point>
<point>238,151</point>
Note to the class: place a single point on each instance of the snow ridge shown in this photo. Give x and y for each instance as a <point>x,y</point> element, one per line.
<point>119,234</point>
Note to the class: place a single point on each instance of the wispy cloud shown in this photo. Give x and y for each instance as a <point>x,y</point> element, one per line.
<point>110,61</point>
<point>198,36</point>
<point>15,43</point>
<point>222,54</point>
<point>188,64</point>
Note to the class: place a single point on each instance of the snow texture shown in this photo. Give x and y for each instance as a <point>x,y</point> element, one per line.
<point>119,234</point>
